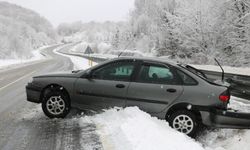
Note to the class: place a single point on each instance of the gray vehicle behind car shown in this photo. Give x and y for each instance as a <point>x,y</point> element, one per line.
<point>174,92</point>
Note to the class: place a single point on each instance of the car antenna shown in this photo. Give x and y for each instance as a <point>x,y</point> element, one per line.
<point>126,47</point>
<point>223,73</point>
<point>120,53</point>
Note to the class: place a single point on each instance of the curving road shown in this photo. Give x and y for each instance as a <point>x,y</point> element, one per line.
<point>23,125</point>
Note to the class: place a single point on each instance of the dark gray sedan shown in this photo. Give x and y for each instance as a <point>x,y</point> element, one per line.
<point>177,93</point>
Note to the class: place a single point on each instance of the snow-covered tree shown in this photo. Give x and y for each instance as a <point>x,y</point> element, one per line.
<point>191,30</point>
<point>22,30</point>
<point>234,29</point>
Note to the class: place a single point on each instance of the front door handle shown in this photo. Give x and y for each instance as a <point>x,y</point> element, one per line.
<point>171,90</point>
<point>120,86</point>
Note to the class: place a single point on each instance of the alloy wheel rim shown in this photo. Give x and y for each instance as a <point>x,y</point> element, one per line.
<point>55,105</point>
<point>183,123</point>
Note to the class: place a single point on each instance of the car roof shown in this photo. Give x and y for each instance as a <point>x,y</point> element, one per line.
<point>150,59</point>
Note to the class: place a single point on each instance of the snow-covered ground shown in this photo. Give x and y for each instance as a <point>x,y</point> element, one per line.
<point>81,47</point>
<point>79,63</point>
<point>105,51</point>
<point>133,129</point>
<point>5,63</point>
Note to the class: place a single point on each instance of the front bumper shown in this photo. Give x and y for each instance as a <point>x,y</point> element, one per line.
<point>33,92</point>
<point>226,119</point>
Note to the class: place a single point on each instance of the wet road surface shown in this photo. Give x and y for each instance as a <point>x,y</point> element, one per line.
<point>23,126</point>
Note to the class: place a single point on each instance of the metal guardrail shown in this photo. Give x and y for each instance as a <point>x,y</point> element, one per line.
<point>95,59</point>
<point>240,84</point>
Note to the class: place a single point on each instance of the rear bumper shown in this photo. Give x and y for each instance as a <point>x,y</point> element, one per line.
<point>226,119</point>
<point>33,93</point>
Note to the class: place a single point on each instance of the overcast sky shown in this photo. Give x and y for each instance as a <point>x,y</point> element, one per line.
<point>59,11</point>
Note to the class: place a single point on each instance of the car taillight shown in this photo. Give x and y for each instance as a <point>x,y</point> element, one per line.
<point>225,96</point>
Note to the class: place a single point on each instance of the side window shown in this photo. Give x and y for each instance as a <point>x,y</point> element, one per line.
<point>157,74</point>
<point>187,80</point>
<point>160,72</point>
<point>120,71</point>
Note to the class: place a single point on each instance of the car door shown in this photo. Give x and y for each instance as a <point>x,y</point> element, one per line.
<point>107,85</point>
<point>155,86</point>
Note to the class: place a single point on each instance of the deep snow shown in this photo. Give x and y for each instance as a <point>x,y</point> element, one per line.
<point>133,129</point>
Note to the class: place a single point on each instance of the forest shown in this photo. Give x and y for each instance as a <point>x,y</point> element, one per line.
<point>22,30</point>
<point>190,31</point>
<point>194,31</point>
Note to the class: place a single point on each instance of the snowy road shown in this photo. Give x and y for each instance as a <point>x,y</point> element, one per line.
<point>23,126</point>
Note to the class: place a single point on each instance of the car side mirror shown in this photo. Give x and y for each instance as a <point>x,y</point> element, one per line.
<point>88,75</point>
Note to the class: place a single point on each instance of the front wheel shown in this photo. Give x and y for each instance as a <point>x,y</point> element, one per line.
<point>56,105</point>
<point>185,122</point>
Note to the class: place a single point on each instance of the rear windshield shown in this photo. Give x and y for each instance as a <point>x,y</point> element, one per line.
<point>194,71</point>
<point>197,72</point>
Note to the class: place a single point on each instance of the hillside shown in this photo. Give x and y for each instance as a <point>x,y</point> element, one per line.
<point>22,30</point>
<point>186,31</point>
<point>97,35</point>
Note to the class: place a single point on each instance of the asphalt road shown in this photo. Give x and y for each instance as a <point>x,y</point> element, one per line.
<point>23,126</point>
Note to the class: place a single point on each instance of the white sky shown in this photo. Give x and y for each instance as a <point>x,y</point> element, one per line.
<point>59,11</point>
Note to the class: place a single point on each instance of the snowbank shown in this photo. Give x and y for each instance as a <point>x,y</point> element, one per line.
<point>80,63</point>
<point>133,129</point>
<point>5,63</point>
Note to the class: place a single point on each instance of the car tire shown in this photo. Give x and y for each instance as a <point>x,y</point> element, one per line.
<point>184,121</point>
<point>56,104</point>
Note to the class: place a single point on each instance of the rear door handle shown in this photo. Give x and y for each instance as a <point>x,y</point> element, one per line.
<point>171,90</point>
<point>120,86</point>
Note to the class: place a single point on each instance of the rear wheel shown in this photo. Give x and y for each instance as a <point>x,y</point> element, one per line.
<point>185,122</point>
<point>56,105</point>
